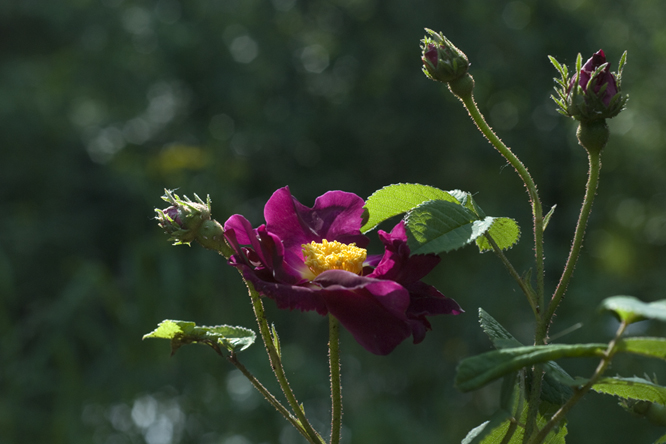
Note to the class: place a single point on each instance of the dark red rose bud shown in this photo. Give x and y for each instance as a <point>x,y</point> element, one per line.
<point>594,92</point>
<point>605,77</point>
<point>431,54</point>
<point>174,214</point>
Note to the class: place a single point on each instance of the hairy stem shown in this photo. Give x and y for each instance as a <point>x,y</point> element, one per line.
<point>336,385</point>
<point>533,402</point>
<point>594,158</point>
<point>276,364</point>
<point>461,89</point>
<point>264,391</point>
<point>580,392</point>
<point>529,293</point>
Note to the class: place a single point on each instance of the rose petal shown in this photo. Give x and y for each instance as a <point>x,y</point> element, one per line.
<point>335,216</point>
<point>373,311</point>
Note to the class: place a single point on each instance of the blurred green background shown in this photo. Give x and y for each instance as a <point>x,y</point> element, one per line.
<point>104,103</point>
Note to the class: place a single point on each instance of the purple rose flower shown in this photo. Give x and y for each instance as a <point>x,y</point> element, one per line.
<point>315,259</point>
<point>604,77</point>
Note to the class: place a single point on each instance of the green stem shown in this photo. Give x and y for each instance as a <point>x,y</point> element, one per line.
<point>276,364</point>
<point>594,158</point>
<point>264,391</point>
<point>533,402</point>
<point>463,88</point>
<point>580,392</point>
<point>336,385</point>
<point>512,271</point>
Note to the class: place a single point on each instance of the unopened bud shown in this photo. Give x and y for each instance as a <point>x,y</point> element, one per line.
<point>593,92</point>
<point>442,61</point>
<point>184,218</point>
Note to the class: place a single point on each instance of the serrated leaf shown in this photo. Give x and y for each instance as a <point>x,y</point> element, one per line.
<point>495,431</point>
<point>504,231</point>
<point>631,309</point>
<point>184,332</point>
<point>632,388</point>
<point>477,371</point>
<point>556,381</point>
<point>651,347</point>
<point>396,199</point>
<point>496,331</point>
<point>438,226</point>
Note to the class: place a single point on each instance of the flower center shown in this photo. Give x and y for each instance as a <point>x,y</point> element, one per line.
<point>326,255</point>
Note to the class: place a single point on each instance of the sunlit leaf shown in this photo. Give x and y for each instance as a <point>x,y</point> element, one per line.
<point>651,347</point>
<point>396,199</point>
<point>504,231</point>
<point>632,388</point>
<point>631,309</point>
<point>503,429</point>
<point>184,332</point>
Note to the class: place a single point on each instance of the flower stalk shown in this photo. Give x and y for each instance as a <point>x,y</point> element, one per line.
<point>336,382</point>
<point>580,392</point>
<point>463,89</point>
<point>593,147</point>
<point>276,364</point>
<point>263,390</point>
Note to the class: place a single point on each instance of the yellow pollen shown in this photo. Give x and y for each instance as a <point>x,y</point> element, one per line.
<point>326,255</point>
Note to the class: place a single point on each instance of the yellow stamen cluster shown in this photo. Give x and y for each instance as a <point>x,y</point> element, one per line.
<point>323,256</point>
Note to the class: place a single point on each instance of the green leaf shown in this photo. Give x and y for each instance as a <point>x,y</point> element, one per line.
<point>496,331</point>
<point>631,309</point>
<point>184,332</point>
<point>632,388</point>
<point>397,199</point>
<point>556,381</point>
<point>477,371</point>
<point>651,347</point>
<point>490,432</point>
<point>661,440</point>
<point>495,431</point>
<point>439,226</point>
<point>504,231</point>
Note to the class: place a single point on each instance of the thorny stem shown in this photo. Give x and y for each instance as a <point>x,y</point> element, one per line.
<point>336,386</point>
<point>580,392</point>
<point>276,364</point>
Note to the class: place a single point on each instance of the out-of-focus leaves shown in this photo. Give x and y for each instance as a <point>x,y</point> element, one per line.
<point>631,309</point>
